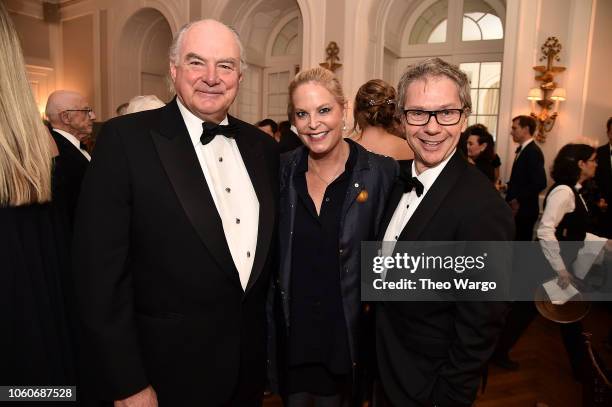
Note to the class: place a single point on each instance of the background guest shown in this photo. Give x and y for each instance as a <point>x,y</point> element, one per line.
<point>142,103</point>
<point>480,149</point>
<point>71,121</point>
<point>289,139</point>
<point>269,127</point>
<point>527,178</point>
<point>376,128</point>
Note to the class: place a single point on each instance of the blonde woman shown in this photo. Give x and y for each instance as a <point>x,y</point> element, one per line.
<point>332,197</point>
<point>34,345</point>
<point>376,127</point>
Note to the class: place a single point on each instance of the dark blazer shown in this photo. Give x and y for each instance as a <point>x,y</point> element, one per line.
<point>73,166</point>
<point>360,221</point>
<point>527,180</point>
<point>603,179</point>
<point>603,174</point>
<point>159,295</point>
<point>428,352</point>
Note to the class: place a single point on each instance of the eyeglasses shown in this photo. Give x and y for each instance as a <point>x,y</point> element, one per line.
<point>89,110</point>
<point>445,117</point>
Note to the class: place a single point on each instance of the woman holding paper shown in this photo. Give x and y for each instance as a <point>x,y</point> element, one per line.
<point>566,218</point>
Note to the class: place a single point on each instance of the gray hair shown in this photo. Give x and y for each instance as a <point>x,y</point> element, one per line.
<point>431,68</point>
<point>177,42</point>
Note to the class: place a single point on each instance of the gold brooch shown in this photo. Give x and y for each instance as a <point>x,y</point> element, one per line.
<point>363,196</point>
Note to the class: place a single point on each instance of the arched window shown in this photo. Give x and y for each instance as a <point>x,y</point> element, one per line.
<point>470,34</point>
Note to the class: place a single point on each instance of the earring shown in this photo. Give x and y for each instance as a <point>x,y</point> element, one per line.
<point>343,125</point>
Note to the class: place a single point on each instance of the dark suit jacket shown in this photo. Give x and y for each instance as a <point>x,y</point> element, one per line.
<point>603,178</point>
<point>159,295</point>
<point>603,174</point>
<point>435,352</point>
<point>527,180</point>
<point>289,141</point>
<point>73,166</point>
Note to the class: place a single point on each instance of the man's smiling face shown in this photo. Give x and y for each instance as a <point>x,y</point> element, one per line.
<point>432,143</point>
<point>207,73</point>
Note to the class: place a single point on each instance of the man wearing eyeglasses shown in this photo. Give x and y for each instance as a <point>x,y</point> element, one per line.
<point>71,121</point>
<point>434,353</point>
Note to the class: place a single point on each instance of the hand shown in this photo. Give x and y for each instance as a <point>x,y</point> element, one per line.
<point>514,205</point>
<point>564,279</point>
<point>144,398</point>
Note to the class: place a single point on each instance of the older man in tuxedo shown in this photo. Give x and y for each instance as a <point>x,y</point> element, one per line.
<point>173,241</point>
<point>434,353</point>
<point>71,121</point>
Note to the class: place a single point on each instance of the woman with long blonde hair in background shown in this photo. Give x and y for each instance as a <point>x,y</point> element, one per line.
<point>35,345</point>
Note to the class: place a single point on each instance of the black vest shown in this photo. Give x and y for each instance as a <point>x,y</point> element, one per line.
<point>574,225</point>
<point>572,228</point>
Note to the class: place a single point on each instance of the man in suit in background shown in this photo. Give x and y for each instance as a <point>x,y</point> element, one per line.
<point>434,353</point>
<point>71,120</point>
<point>603,178</point>
<point>527,178</point>
<point>174,240</point>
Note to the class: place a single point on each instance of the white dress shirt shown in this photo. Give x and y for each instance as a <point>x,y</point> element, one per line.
<point>523,145</point>
<point>407,205</point>
<point>232,191</point>
<point>560,202</point>
<point>75,142</point>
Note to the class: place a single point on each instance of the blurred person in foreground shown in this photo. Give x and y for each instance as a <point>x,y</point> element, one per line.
<point>376,126</point>
<point>333,194</point>
<point>174,238</point>
<point>35,345</point>
<point>435,353</point>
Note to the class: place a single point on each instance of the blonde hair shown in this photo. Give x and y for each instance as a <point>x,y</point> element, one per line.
<point>25,144</point>
<point>321,76</point>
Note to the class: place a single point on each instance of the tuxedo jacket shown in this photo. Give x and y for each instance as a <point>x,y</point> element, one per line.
<point>434,353</point>
<point>527,180</point>
<point>603,174</point>
<point>69,172</point>
<point>159,295</point>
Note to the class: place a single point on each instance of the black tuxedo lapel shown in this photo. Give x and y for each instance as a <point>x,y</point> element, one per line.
<point>396,195</point>
<point>434,198</point>
<point>68,149</point>
<point>181,163</point>
<point>252,153</point>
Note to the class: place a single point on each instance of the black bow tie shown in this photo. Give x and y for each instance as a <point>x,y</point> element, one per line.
<point>210,130</point>
<point>518,149</point>
<point>83,146</point>
<point>411,183</point>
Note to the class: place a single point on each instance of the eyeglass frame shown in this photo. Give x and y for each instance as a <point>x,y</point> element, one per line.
<point>89,110</point>
<point>435,114</point>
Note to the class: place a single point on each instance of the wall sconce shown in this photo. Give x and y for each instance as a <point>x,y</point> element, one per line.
<point>547,95</point>
<point>332,60</point>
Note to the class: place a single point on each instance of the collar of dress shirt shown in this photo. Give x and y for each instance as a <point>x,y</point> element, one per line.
<point>429,176</point>
<point>578,186</point>
<point>70,137</point>
<point>193,123</point>
<point>524,143</point>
